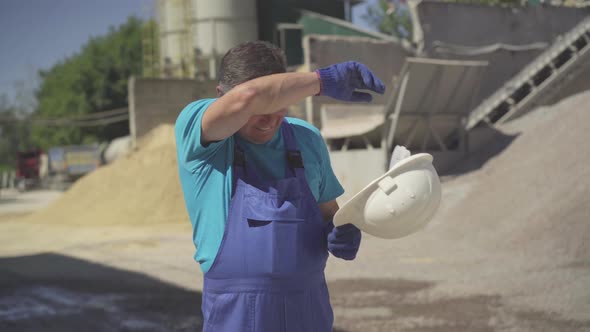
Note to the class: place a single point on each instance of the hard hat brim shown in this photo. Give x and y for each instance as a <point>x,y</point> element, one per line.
<point>353,210</point>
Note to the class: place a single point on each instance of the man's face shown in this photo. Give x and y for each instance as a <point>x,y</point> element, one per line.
<point>261,128</point>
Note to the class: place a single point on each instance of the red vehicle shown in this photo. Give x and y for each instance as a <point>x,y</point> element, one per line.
<point>28,165</point>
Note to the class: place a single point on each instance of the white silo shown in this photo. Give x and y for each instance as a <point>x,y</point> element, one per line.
<point>216,26</point>
<point>175,49</point>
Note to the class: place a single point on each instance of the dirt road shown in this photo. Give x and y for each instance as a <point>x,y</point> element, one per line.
<point>14,202</point>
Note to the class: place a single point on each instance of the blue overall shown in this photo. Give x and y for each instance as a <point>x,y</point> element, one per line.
<point>268,275</point>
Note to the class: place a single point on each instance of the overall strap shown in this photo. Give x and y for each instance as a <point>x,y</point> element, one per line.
<point>293,155</point>
<point>242,168</point>
<point>239,165</point>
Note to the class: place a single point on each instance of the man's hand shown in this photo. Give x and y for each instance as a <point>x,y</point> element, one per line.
<point>344,241</point>
<point>340,81</point>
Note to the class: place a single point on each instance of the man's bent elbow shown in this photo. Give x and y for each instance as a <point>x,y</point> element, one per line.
<point>243,99</point>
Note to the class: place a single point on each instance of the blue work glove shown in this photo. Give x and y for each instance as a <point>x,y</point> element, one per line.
<point>344,241</point>
<point>340,81</point>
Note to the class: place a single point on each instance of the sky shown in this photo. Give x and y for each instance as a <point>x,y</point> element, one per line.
<point>36,34</point>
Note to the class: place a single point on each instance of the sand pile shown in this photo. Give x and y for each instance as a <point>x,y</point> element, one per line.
<point>533,199</point>
<point>142,188</point>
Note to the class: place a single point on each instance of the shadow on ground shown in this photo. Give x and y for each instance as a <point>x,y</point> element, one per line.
<point>496,142</point>
<point>375,305</point>
<point>50,292</point>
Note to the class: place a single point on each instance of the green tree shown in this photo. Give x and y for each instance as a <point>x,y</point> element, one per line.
<point>14,132</point>
<point>496,2</point>
<point>151,49</point>
<point>92,81</point>
<point>391,18</point>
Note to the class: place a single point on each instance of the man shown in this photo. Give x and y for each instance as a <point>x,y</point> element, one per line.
<point>261,193</point>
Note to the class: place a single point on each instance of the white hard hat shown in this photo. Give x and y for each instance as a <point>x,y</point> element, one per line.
<point>398,203</point>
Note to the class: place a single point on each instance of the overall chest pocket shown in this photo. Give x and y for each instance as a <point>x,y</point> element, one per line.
<point>276,225</point>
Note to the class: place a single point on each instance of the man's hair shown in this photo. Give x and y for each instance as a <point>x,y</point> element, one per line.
<point>248,61</point>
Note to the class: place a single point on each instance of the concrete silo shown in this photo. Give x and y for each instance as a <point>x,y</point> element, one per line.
<point>216,26</point>
<point>175,47</point>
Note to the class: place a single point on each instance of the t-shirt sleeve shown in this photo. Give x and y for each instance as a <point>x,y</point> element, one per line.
<point>330,187</point>
<point>187,131</point>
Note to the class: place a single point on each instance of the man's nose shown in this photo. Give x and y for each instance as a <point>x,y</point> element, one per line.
<point>268,118</point>
<point>265,119</point>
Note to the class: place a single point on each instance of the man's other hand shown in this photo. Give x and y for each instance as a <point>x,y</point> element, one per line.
<point>344,241</point>
<point>340,81</point>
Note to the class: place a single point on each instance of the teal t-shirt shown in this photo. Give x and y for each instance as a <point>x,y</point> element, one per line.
<point>206,173</point>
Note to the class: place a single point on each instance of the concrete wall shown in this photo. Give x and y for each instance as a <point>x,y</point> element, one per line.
<point>154,101</point>
<point>384,58</point>
<point>482,25</point>
<point>356,168</point>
